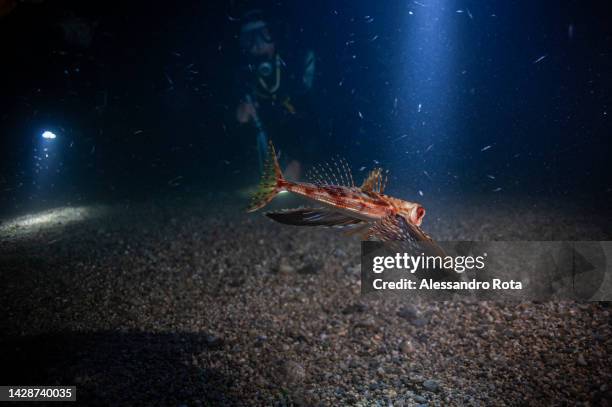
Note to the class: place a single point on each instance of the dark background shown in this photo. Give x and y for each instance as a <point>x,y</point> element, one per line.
<point>168,71</point>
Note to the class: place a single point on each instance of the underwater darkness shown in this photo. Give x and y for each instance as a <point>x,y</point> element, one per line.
<point>496,99</point>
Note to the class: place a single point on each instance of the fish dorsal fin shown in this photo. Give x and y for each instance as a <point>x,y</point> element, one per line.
<point>375,181</point>
<point>337,172</point>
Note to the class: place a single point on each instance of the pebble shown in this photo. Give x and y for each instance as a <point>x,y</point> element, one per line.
<point>408,312</point>
<point>308,269</point>
<point>353,308</point>
<point>420,322</point>
<point>431,385</point>
<point>293,372</point>
<point>284,266</point>
<point>406,347</point>
<point>368,323</point>
<point>213,341</point>
<point>416,379</point>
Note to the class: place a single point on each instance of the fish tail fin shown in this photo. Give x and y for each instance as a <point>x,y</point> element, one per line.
<point>271,181</point>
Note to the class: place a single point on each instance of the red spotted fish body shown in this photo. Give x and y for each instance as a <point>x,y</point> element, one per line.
<point>365,210</point>
<point>362,204</point>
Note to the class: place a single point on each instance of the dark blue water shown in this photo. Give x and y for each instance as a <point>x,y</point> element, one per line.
<point>497,99</point>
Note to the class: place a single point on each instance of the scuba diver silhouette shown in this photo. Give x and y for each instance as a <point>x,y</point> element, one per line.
<point>267,85</point>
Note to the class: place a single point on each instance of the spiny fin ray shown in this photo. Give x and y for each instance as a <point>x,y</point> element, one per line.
<point>337,173</point>
<point>375,181</point>
<point>395,228</point>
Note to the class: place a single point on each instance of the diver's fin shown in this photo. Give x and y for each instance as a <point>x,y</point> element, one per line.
<point>374,182</point>
<point>270,184</point>
<point>313,217</point>
<point>394,228</point>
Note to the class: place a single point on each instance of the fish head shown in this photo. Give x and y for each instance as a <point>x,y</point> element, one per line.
<point>411,211</point>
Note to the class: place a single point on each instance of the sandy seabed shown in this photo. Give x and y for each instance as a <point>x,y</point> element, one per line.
<point>194,303</point>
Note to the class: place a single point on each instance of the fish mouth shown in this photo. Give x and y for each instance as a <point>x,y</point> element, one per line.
<point>417,214</point>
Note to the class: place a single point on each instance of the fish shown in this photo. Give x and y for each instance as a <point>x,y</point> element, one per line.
<point>363,210</point>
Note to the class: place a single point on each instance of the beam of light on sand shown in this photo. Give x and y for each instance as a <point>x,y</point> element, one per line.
<point>49,219</point>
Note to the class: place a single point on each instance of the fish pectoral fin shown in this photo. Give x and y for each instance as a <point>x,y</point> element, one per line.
<point>395,228</point>
<point>374,182</point>
<point>358,229</point>
<point>313,217</point>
